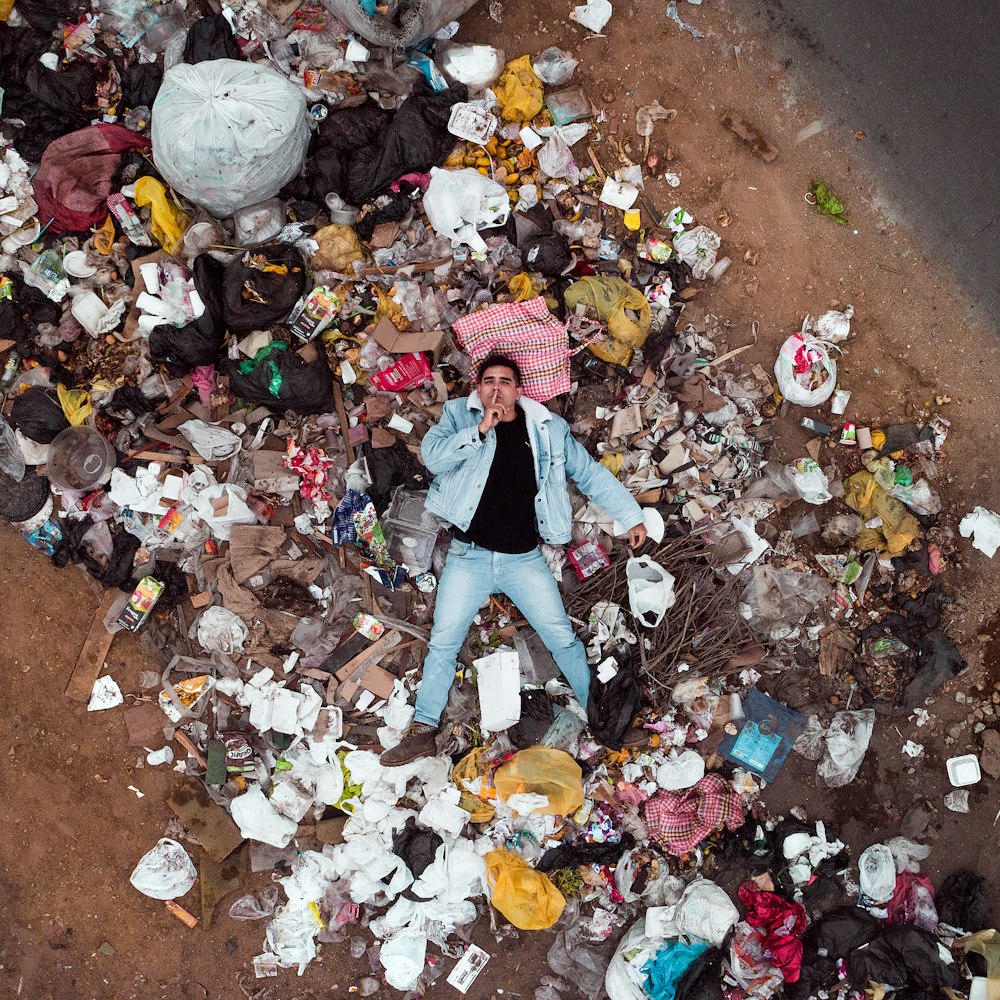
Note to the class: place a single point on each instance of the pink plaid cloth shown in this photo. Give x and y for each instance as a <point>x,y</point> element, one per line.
<point>527,333</point>
<point>679,821</point>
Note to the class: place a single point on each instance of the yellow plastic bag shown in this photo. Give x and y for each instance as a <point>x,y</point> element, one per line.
<point>613,299</point>
<point>339,247</point>
<point>75,404</point>
<point>519,92</point>
<point>899,527</point>
<point>545,772</point>
<point>468,770</point>
<point>524,896</point>
<point>169,223</point>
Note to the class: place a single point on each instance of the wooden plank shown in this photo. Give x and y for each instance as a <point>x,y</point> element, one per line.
<point>94,653</point>
<point>345,429</point>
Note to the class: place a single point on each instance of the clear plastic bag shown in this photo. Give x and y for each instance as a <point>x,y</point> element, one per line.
<point>458,203</point>
<point>228,134</point>
<point>255,906</point>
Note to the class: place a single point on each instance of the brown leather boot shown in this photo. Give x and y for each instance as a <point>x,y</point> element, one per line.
<point>419,741</point>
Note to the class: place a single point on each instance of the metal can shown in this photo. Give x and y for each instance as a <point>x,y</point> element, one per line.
<point>849,435</point>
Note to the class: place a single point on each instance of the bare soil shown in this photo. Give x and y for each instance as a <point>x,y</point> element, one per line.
<point>73,829</point>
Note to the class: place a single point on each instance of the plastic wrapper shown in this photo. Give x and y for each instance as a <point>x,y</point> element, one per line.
<point>227,134</point>
<point>476,66</point>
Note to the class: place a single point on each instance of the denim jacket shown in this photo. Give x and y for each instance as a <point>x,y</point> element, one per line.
<point>460,462</point>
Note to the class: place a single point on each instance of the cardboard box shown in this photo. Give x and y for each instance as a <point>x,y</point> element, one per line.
<point>389,338</point>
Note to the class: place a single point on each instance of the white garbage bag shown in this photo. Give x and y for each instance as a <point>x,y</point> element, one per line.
<point>228,134</point>
<point>805,370</point>
<point>650,590</point>
<point>878,875</point>
<point>810,481</point>
<point>847,742</point>
<point>458,203</point>
<point>165,871</point>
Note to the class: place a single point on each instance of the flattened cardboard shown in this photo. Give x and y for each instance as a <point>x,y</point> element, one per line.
<point>388,337</point>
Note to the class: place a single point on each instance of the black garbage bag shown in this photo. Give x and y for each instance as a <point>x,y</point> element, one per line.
<point>128,403</point>
<point>277,377</point>
<point>546,253</point>
<point>536,717</point>
<point>416,847</point>
<point>182,348</point>
<point>49,102</point>
<point>210,38</point>
<point>389,468</point>
<point>702,978</point>
<point>358,152</point>
<point>612,706</point>
<point>175,588</point>
<point>140,85</point>
<point>818,971</point>
<point>46,15</point>
<point>252,297</point>
<point>36,413</point>
<point>842,930</point>
<point>116,572</point>
<point>574,855</point>
<point>900,956</point>
<point>962,902</point>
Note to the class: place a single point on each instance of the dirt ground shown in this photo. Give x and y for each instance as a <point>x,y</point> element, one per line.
<point>72,927</point>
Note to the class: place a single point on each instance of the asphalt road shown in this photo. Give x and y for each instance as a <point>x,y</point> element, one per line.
<point>922,79</point>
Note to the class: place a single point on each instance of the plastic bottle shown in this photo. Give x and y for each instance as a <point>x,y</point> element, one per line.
<point>10,369</point>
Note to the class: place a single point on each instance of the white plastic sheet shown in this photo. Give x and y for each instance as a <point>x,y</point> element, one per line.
<point>228,134</point>
<point>984,527</point>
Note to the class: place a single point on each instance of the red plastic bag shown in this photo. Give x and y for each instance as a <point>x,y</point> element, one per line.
<point>913,902</point>
<point>783,924</point>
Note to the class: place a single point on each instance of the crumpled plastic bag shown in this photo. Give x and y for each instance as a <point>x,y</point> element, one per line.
<point>469,771</point>
<point>165,871</point>
<point>698,247</point>
<point>623,308</point>
<point>458,203</point>
<point>213,443</point>
<point>227,134</point>
<point>705,911</point>
<point>474,65</point>
<point>913,902</point>
<point>878,875</point>
<point>221,631</point>
<point>526,897</point>
<point>650,590</point>
<point>805,370</point>
<point>168,222</point>
<point>339,247</point>
<point>899,527</point>
<point>75,404</point>
<point>984,528</point>
<point>845,745</point>
<point>519,92</point>
<point>810,481</point>
<point>541,771</point>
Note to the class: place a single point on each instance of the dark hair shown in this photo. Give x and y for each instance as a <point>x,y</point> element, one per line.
<point>501,361</point>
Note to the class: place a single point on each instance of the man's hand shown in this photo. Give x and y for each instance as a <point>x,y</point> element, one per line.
<point>636,536</point>
<point>493,415</point>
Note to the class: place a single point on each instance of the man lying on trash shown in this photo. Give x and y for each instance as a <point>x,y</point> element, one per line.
<point>501,463</point>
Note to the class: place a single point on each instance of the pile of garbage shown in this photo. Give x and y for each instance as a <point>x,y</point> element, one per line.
<point>246,260</point>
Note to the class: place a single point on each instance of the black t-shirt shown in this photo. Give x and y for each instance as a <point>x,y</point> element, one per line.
<point>505,518</point>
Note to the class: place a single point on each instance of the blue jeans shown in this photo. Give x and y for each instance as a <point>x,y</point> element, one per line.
<point>471,574</point>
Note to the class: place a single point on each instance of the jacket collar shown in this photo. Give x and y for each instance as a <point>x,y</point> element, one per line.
<point>533,410</point>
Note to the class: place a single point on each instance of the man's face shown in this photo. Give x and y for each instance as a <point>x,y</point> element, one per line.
<point>497,386</point>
